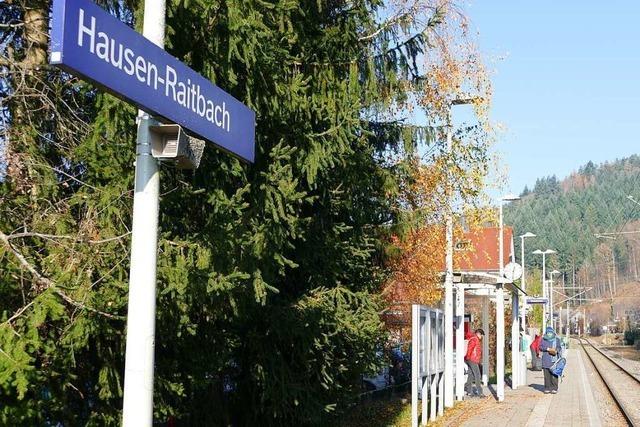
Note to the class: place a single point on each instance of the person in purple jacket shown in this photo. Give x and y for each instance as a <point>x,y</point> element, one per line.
<point>551,349</point>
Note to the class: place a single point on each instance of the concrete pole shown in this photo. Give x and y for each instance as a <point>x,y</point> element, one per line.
<point>500,341</point>
<point>448,287</point>
<point>551,320</point>
<point>525,308</point>
<point>460,341</point>
<point>137,408</point>
<point>615,270</point>
<point>523,313</point>
<point>485,340</point>
<point>544,292</point>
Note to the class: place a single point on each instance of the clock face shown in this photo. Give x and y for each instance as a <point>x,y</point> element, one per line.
<point>513,271</point>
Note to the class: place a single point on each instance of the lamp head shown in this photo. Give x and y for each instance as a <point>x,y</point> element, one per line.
<point>528,234</point>
<point>467,101</point>
<point>510,198</point>
<point>550,251</point>
<point>537,252</point>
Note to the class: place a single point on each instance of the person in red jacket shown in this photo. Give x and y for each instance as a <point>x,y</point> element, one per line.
<point>536,363</point>
<point>472,359</point>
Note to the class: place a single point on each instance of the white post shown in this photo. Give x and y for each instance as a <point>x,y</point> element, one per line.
<point>440,394</point>
<point>433,387</point>
<point>137,410</point>
<point>523,313</point>
<point>501,240</point>
<point>544,292</point>
<point>485,340</point>
<point>460,342</point>
<point>551,319</point>
<point>500,341</point>
<point>500,315</point>
<point>415,363</point>
<point>448,291</point>
<point>427,390</point>
<point>515,335</point>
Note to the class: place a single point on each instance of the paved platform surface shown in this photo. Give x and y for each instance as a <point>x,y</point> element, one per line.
<point>573,405</point>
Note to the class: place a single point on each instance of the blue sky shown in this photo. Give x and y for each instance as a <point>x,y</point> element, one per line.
<point>566,80</point>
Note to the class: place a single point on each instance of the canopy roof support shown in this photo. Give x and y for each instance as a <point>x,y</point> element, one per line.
<point>489,287</point>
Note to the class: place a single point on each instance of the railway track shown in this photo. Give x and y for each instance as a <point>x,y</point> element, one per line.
<point>622,384</point>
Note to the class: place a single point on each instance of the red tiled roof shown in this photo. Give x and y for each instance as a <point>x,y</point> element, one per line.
<point>478,249</point>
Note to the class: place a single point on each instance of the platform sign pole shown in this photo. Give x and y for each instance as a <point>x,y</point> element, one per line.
<point>92,44</point>
<point>141,318</point>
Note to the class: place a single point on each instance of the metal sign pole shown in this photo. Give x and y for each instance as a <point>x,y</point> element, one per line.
<point>153,84</point>
<point>139,359</point>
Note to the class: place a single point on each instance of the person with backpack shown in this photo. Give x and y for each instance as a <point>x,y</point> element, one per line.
<point>472,359</point>
<point>551,349</point>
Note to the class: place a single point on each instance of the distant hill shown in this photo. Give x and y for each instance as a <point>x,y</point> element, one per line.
<point>565,214</point>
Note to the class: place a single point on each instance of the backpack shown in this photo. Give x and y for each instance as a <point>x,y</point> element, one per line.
<point>558,366</point>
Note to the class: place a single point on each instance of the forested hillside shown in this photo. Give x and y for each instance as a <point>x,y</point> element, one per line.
<point>567,214</point>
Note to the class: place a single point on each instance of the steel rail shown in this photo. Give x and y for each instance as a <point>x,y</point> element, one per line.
<point>612,360</point>
<point>614,394</point>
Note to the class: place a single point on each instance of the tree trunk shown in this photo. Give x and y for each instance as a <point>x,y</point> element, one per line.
<point>36,27</point>
<point>26,79</point>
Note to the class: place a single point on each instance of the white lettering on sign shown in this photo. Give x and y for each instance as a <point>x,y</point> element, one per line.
<point>187,94</point>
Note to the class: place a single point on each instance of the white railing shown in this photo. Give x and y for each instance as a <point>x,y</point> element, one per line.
<point>427,364</point>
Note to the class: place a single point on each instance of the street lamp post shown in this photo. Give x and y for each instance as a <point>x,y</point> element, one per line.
<point>544,285</point>
<point>551,297</point>
<point>524,285</point>
<point>500,303</point>
<point>507,198</point>
<point>448,284</point>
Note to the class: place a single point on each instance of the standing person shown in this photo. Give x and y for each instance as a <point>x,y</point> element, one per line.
<point>550,347</point>
<point>472,359</point>
<point>535,353</point>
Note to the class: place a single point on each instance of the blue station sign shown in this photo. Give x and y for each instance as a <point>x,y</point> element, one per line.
<point>88,41</point>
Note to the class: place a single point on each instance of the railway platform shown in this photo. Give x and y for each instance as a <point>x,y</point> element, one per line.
<point>573,405</point>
